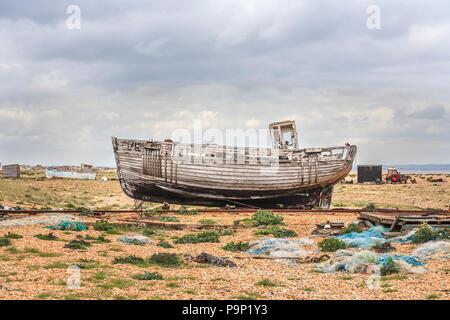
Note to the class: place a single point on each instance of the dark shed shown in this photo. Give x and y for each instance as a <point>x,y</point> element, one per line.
<point>369,173</point>
<point>11,171</point>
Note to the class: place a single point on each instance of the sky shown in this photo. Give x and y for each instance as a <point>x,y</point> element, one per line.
<point>346,72</point>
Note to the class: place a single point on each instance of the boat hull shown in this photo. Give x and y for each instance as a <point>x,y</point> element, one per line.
<point>208,175</point>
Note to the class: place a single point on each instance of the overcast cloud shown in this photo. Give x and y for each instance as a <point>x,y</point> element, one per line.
<point>141,69</point>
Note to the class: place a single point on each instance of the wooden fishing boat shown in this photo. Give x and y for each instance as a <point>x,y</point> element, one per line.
<point>283,176</point>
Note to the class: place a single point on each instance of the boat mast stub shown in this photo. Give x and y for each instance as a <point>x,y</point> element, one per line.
<point>284,135</point>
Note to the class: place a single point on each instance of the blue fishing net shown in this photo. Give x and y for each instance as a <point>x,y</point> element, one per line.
<point>364,240</point>
<point>68,225</point>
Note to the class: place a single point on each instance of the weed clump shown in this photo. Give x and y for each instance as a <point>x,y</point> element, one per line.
<point>207,221</point>
<point>389,267</point>
<point>184,211</point>
<point>331,245</point>
<point>238,246</point>
<point>77,245</point>
<point>370,207</point>
<point>165,244</point>
<point>168,219</point>
<point>148,276</point>
<point>266,283</point>
<point>4,242</point>
<point>129,260</point>
<point>102,239</point>
<point>151,212</point>
<point>149,231</point>
<point>13,236</point>
<point>277,232</point>
<point>103,225</point>
<point>265,218</point>
<point>49,236</point>
<point>425,233</point>
<point>167,260</point>
<point>352,227</point>
<point>86,212</point>
<point>205,236</point>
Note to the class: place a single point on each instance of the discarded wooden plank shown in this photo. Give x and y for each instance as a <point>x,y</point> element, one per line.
<point>394,224</point>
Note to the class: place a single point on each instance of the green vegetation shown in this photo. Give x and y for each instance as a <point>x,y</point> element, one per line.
<point>85,211</point>
<point>266,283</point>
<point>331,245</point>
<point>77,245</point>
<point>99,276</point>
<point>148,276</point>
<point>151,212</point>
<point>57,265</point>
<point>352,227</point>
<point>149,231</point>
<point>4,242</point>
<point>226,232</point>
<point>370,207</point>
<point>397,277</point>
<point>389,290</point>
<point>265,218</point>
<point>117,283</point>
<point>238,246</point>
<point>103,225</point>
<point>207,221</point>
<point>172,285</point>
<point>13,236</point>
<point>432,296</point>
<point>425,233</point>
<point>184,211</point>
<point>167,260</point>
<point>165,244</point>
<point>389,267</point>
<point>43,295</point>
<point>248,296</point>
<point>277,232</point>
<point>190,292</point>
<point>49,236</point>
<point>168,219</point>
<point>130,260</point>
<point>205,236</point>
<point>12,250</point>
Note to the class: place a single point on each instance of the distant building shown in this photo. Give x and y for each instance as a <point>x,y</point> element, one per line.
<point>369,173</point>
<point>11,171</point>
<point>86,167</point>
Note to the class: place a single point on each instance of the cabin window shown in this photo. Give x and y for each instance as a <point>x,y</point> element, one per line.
<point>152,162</point>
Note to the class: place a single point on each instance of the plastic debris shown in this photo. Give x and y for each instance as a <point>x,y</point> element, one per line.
<point>68,225</point>
<point>281,248</point>
<point>136,239</point>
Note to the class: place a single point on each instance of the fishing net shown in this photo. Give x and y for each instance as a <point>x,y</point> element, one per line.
<point>136,239</point>
<point>364,240</point>
<point>281,248</point>
<point>68,225</point>
<point>433,250</point>
<point>367,262</point>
